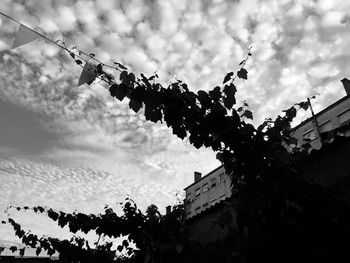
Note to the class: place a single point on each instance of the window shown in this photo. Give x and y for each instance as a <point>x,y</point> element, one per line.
<point>205,187</point>
<point>197,209</point>
<point>205,205</point>
<point>212,201</point>
<point>326,126</point>
<point>222,197</point>
<point>344,116</point>
<point>213,182</point>
<point>188,195</point>
<point>310,135</point>
<point>222,177</point>
<point>198,192</point>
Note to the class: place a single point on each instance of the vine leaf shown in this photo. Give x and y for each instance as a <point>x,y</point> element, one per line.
<point>215,94</point>
<point>248,114</point>
<point>135,105</point>
<point>118,91</point>
<point>242,73</point>
<point>228,77</point>
<point>304,105</point>
<point>230,99</point>
<point>120,65</point>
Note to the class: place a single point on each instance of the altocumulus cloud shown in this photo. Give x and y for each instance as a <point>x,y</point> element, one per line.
<point>299,49</point>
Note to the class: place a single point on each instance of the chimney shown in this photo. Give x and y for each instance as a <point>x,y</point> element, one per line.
<point>197,176</point>
<point>168,210</point>
<point>346,84</point>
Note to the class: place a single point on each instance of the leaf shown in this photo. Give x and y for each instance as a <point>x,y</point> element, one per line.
<point>124,77</point>
<point>293,141</point>
<point>153,114</point>
<point>13,249</point>
<point>248,114</point>
<point>215,94</point>
<point>118,91</point>
<point>37,251</point>
<point>242,62</point>
<point>304,105</point>
<point>228,77</point>
<point>3,222</point>
<point>120,65</point>
<point>40,209</point>
<point>135,105</point>
<point>52,214</point>
<point>203,98</point>
<point>230,91</point>
<point>291,113</point>
<point>92,54</point>
<point>72,54</point>
<point>131,78</point>
<point>78,61</point>
<point>50,251</point>
<point>249,54</point>
<point>242,73</point>
<point>120,248</point>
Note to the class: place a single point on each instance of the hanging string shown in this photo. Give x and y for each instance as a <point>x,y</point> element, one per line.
<point>74,54</point>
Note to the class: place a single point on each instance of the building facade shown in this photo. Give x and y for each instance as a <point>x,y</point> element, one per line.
<point>204,197</point>
<point>329,119</point>
<point>206,191</point>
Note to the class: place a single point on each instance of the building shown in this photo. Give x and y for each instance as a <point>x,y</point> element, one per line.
<point>320,127</point>
<point>204,203</point>
<point>205,196</point>
<point>206,191</point>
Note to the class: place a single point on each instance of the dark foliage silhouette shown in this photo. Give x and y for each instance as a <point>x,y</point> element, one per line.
<point>280,216</point>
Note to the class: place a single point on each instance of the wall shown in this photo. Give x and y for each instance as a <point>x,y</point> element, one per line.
<point>207,192</point>
<point>330,167</point>
<point>202,228</point>
<point>328,119</point>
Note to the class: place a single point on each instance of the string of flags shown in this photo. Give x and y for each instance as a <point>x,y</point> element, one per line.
<point>90,70</point>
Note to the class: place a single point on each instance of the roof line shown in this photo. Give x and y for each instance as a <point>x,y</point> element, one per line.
<point>322,111</point>
<point>217,168</point>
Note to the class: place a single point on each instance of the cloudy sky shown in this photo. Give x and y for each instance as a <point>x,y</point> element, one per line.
<point>73,147</point>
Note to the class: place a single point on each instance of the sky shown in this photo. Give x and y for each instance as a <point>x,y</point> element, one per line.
<point>76,148</point>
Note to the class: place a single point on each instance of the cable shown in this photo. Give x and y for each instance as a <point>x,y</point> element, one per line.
<point>71,53</point>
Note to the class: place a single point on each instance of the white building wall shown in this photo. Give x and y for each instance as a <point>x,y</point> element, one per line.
<point>206,192</point>
<point>332,117</point>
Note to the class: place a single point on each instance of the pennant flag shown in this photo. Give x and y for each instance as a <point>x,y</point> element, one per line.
<point>1,249</point>
<point>24,35</point>
<point>21,251</point>
<point>88,74</point>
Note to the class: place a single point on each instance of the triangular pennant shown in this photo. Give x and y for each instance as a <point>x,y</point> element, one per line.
<point>24,35</point>
<point>88,74</point>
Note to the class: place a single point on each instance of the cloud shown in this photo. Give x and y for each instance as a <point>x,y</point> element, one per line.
<point>299,49</point>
